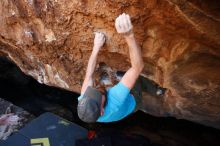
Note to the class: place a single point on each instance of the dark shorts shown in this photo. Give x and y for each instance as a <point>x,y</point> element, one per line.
<point>143,85</point>
<point>136,91</point>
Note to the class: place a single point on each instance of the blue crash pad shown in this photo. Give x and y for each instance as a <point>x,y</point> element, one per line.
<point>47,130</point>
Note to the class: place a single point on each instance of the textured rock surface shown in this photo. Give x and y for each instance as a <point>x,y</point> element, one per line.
<point>180,39</point>
<point>23,118</point>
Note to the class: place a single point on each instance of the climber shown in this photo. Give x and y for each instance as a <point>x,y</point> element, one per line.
<point>117,103</point>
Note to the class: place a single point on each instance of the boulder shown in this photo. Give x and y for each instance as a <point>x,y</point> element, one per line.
<point>180,40</point>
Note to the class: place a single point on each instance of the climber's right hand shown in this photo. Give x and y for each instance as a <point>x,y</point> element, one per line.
<point>123,24</point>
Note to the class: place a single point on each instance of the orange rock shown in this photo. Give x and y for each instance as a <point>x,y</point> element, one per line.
<point>180,40</point>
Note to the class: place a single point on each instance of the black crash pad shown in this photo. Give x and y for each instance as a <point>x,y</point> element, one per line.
<point>47,130</point>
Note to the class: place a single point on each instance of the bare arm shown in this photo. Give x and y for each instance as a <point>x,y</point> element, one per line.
<point>98,43</point>
<point>124,26</point>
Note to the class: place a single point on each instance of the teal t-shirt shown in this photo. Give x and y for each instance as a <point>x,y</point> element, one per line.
<point>120,103</point>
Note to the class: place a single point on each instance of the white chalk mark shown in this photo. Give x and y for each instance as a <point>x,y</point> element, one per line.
<point>55,78</point>
<point>50,36</point>
<point>60,81</point>
<point>28,33</point>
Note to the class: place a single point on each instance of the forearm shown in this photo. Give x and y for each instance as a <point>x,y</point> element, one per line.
<point>135,52</point>
<point>91,64</point>
<point>98,43</point>
<point>88,81</point>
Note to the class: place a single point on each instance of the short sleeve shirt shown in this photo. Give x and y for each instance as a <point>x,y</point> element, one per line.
<point>120,103</point>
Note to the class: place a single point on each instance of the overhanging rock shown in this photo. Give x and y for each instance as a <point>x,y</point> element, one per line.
<point>180,40</point>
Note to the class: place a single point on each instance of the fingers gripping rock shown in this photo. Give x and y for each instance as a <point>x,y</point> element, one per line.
<point>123,24</point>
<point>99,39</point>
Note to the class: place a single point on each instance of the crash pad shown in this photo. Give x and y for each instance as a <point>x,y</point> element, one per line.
<point>47,130</point>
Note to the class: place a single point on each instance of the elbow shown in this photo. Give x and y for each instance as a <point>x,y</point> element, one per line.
<point>140,67</point>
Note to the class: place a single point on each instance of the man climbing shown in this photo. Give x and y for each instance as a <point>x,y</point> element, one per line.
<point>117,103</point>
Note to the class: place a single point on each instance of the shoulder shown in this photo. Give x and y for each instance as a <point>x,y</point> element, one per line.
<point>118,93</point>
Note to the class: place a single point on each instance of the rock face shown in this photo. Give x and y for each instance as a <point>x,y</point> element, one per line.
<point>51,41</point>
